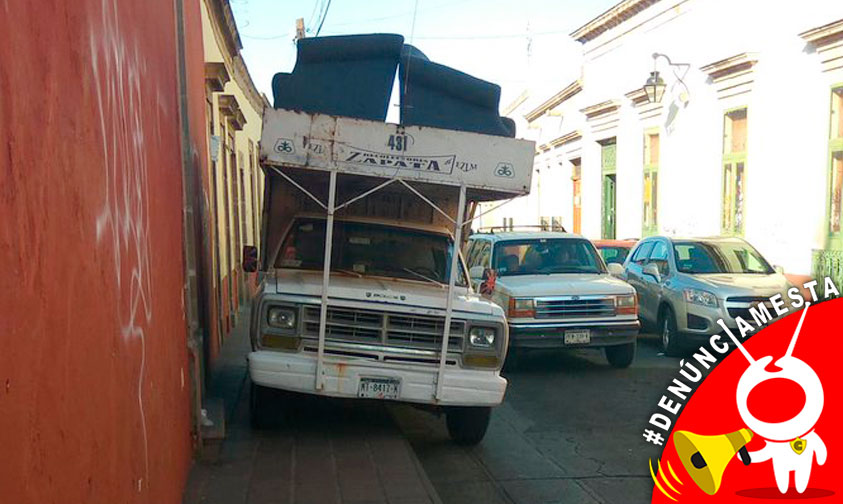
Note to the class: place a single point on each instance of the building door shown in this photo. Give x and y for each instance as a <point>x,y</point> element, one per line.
<point>734,172</point>
<point>576,178</point>
<point>828,262</point>
<point>608,165</point>
<point>609,200</point>
<point>237,243</point>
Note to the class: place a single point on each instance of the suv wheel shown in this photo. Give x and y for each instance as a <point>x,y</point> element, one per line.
<point>620,356</point>
<point>671,345</point>
<point>467,424</point>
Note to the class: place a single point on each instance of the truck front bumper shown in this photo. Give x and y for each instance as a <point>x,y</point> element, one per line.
<point>297,372</point>
<point>552,335</point>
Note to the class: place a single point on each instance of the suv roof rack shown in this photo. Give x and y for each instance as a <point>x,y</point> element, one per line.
<point>528,227</point>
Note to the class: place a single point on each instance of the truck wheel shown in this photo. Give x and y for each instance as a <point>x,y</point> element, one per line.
<point>621,356</point>
<point>467,424</point>
<point>260,406</point>
<point>671,345</point>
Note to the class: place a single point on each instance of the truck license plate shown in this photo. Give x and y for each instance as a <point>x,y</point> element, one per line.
<point>578,337</point>
<point>379,388</point>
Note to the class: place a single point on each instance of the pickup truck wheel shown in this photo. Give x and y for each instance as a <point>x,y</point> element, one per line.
<point>467,424</point>
<point>621,356</point>
<point>260,406</point>
<point>671,345</point>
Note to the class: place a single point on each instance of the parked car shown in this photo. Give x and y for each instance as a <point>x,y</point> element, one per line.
<point>685,285</point>
<point>556,291</point>
<point>614,251</point>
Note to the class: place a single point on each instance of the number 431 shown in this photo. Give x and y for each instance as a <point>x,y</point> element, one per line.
<point>398,142</point>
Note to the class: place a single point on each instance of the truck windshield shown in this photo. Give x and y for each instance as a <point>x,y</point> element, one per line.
<point>701,258</point>
<point>546,256</point>
<point>369,249</point>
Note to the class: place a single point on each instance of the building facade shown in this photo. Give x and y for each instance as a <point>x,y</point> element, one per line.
<point>96,132</point>
<point>746,140</point>
<point>233,184</point>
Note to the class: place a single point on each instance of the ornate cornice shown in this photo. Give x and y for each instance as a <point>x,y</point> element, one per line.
<point>637,96</point>
<point>566,138</point>
<point>554,101</point>
<point>600,108</point>
<point>730,66</point>
<point>825,34</point>
<point>216,76</point>
<point>229,106</point>
<point>515,103</point>
<point>619,13</point>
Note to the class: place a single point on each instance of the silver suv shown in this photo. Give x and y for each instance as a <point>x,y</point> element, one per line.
<point>685,285</point>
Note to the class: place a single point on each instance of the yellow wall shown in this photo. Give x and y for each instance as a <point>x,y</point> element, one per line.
<point>226,175</point>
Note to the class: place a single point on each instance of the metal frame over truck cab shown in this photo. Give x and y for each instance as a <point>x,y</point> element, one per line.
<point>405,339</point>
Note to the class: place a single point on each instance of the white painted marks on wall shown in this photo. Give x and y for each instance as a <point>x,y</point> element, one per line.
<point>122,87</point>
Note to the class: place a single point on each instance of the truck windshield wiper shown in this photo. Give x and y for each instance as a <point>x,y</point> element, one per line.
<point>348,272</point>
<point>437,282</point>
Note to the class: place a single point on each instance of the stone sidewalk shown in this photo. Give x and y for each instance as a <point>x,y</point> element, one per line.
<point>319,450</point>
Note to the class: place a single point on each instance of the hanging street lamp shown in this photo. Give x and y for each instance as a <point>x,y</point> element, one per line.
<point>655,86</point>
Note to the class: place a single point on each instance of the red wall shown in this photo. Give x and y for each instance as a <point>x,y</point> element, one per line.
<point>94,377</point>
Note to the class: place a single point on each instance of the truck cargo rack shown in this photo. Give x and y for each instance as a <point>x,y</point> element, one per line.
<point>480,168</point>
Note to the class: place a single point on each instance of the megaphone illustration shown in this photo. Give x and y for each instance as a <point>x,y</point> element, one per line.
<point>706,457</point>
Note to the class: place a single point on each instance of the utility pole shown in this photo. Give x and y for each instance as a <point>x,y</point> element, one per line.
<point>300,28</point>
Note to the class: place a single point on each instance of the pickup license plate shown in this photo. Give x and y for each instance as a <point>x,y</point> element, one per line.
<point>578,337</point>
<point>379,388</point>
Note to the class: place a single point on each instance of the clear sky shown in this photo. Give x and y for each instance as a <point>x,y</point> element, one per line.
<point>513,43</point>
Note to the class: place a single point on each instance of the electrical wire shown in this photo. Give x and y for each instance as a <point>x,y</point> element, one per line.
<point>324,15</point>
<point>317,7</point>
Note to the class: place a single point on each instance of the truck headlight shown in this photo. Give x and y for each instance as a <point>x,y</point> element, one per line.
<point>700,297</point>
<point>482,337</point>
<point>281,318</point>
<point>626,304</point>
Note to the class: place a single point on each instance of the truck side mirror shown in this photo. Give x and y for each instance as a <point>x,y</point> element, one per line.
<point>615,269</point>
<point>652,270</point>
<point>476,272</point>
<point>778,269</point>
<point>250,258</point>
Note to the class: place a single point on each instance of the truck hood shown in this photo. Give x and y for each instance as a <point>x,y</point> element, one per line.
<point>561,285</point>
<point>380,290</point>
<point>731,284</point>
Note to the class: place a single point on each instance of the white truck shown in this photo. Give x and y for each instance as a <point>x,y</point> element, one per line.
<point>363,292</point>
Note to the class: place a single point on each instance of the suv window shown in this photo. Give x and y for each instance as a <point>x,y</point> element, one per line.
<point>642,252</point>
<point>659,257</point>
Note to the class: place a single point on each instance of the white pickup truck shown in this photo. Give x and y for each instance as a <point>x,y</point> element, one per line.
<point>364,293</point>
<point>557,291</point>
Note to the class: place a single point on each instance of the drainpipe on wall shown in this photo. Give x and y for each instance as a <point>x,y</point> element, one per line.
<point>189,184</point>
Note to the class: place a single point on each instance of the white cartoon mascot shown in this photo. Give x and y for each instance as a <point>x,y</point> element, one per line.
<point>792,444</point>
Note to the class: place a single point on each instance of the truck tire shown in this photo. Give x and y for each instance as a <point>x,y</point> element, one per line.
<point>621,356</point>
<point>260,406</point>
<point>669,334</point>
<point>467,424</point>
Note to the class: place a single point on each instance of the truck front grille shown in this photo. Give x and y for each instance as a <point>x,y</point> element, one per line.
<point>351,325</point>
<point>575,307</point>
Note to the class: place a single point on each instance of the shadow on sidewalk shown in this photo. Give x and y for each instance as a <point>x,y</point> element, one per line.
<point>317,450</point>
